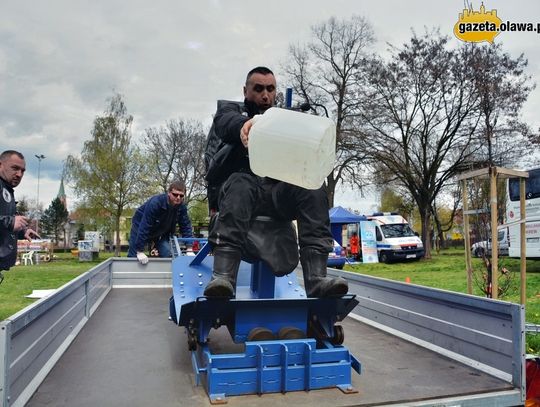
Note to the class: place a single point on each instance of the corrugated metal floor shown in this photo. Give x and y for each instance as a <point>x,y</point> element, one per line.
<point>129,354</point>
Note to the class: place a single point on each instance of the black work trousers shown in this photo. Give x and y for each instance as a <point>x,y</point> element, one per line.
<point>244,196</point>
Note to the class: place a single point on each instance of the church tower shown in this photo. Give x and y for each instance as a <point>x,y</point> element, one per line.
<point>62,193</point>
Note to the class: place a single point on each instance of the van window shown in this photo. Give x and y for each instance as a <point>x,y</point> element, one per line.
<point>397,230</point>
<point>378,234</point>
<point>532,186</point>
<point>500,235</point>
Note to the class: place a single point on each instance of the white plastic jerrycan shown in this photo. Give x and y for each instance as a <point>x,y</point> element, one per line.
<point>293,147</point>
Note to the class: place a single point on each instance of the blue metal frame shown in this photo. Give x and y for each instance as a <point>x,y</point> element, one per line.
<point>271,367</point>
<point>262,300</point>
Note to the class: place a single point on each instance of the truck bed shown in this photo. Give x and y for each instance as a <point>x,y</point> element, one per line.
<point>130,354</point>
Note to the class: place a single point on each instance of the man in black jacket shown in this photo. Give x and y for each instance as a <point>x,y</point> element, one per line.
<point>12,226</point>
<point>241,196</point>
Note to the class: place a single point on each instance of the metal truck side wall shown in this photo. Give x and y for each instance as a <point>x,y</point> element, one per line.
<point>32,340</point>
<point>484,333</point>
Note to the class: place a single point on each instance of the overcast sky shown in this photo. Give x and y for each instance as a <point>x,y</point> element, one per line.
<point>61,59</point>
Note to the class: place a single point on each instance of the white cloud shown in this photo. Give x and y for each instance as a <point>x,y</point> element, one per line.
<point>61,60</point>
<point>195,45</point>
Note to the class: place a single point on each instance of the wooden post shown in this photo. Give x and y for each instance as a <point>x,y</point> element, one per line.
<point>522,242</point>
<point>493,173</point>
<point>467,236</point>
<point>494,233</point>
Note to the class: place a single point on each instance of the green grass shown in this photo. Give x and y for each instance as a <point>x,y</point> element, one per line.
<point>446,270</point>
<point>20,281</point>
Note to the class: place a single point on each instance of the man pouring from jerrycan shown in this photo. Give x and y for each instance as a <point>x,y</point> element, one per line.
<point>237,195</point>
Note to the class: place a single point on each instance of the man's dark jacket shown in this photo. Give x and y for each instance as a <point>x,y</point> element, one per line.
<point>153,220</point>
<point>225,153</point>
<point>8,238</point>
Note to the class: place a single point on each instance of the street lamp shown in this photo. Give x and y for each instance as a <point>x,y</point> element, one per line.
<point>39,157</point>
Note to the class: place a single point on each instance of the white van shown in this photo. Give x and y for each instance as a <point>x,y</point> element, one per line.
<point>479,249</point>
<point>395,239</point>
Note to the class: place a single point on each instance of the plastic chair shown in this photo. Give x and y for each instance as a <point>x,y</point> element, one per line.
<point>28,257</point>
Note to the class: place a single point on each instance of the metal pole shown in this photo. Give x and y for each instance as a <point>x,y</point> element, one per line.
<point>39,157</point>
<point>494,234</point>
<point>522,242</point>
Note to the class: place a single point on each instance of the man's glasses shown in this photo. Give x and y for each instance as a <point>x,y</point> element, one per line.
<point>260,88</point>
<point>177,194</point>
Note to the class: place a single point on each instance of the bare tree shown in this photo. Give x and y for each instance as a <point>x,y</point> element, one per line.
<point>396,200</point>
<point>420,118</point>
<point>443,217</point>
<point>502,87</point>
<point>177,151</point>
<point>325,73</point>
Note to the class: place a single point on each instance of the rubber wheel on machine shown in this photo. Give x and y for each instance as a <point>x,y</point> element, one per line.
<point>260,334</point>
<point>291,332</point>
<point>384,258</point>
<point>339,335</point>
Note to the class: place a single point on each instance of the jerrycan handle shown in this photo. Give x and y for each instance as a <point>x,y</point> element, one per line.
<point>256,118</point>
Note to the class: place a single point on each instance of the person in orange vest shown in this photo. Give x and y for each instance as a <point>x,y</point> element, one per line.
<point>355,245</point>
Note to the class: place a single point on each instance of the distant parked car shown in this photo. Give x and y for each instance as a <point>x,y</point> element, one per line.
<point>482,248</point>
<point>337,257</point>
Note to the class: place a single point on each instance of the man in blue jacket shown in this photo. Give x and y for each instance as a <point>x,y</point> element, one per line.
<point>156,220</point>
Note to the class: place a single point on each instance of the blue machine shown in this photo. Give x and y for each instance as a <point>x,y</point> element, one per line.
<point>300,347</point>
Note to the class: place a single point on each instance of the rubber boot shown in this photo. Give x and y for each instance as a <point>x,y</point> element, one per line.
<point>223,282</point>
<point>316,283</point>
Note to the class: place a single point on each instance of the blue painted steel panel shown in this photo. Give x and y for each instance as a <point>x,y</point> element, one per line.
<point>277,366</point>
<point>262,301</point>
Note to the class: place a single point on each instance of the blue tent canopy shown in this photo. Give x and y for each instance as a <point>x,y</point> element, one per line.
<point>339,217</point>
<point>343,216</point>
